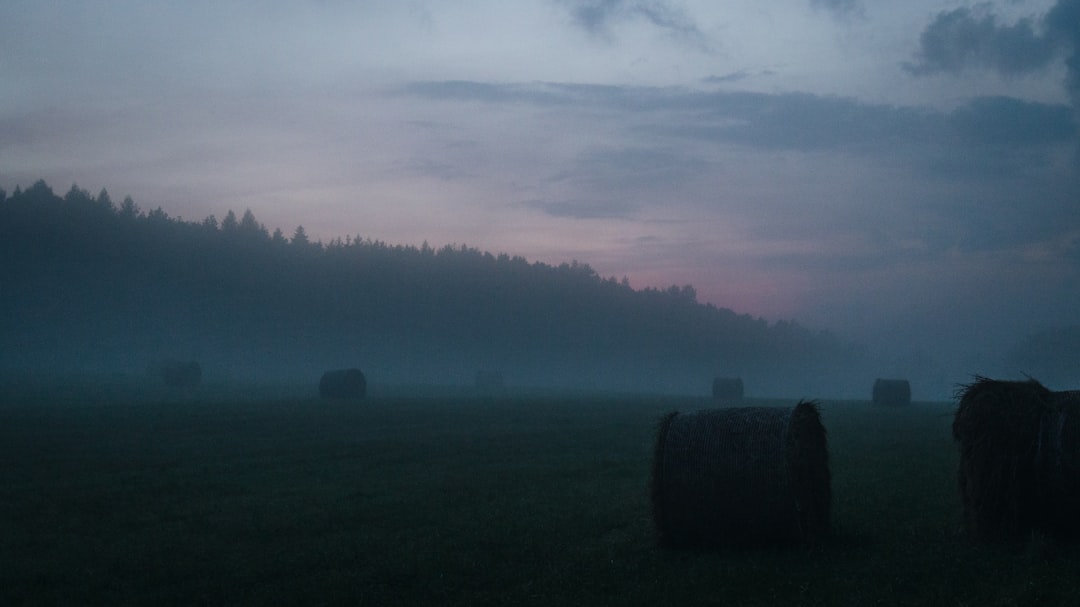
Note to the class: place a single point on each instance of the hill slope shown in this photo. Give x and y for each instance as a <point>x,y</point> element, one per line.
<point>91,286</point>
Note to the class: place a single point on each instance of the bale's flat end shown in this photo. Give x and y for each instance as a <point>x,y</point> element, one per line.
<point>808,460</point>
<point>1019,466</point>
<point>656,481</point>
<point>745,476</point>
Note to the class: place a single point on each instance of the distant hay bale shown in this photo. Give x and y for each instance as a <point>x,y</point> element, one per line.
<point>742,476</point>
<point>343,383</point>
<point>892,392</point>
<point>179,374</point>
<point>1019,459</point>
<point>727,388</point>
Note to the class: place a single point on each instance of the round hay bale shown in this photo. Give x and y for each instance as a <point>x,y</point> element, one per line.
<point>1059,463</point>
<point>727,388</point>
<point>180,374</point>
<point>343,383</point>
<point>1019,466</point>
<point>742,476</point>
<point>892,392</point>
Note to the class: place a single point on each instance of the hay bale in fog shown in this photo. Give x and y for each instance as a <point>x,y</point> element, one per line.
<point>741,476</point>
<point>892,392</point>
<point>1019,459</point>
<point>489,382</point>
<point>727,388</point>
<point>343,383</point>
<point>179,374</point>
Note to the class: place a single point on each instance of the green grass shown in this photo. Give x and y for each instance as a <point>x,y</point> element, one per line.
<point>513,501</point>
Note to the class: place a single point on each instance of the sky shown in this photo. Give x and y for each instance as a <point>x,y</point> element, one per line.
<point>905,175</point>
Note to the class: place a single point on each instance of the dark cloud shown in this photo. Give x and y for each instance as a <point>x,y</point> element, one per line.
<point>973,38</point>
<point>999,155</point>
<point>463,90</point>
<point>595,16</point>
<point>609,97</point>
<point>1062,24</point>
<point>804,122</point>
<point>598,18</point>
<point>427,167</point>
<point>736,76</point>
<point>967,38</point>
<point>633,168</point>
<point>729,77</point>
<point>668,18</point>
<point>840,8</point>
<point>583,209</point>
<point>984,176</point>
<point>1071,247</point>
<point>1012,122</point>
<point>796,121</point>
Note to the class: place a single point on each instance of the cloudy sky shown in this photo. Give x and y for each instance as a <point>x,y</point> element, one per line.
<point>902,173</point>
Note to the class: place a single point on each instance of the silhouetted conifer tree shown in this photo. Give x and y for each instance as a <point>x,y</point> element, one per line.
<point>229,225</point>
<point>78,196</point>
<point>250,227</point>
<point>104,201</point>
<point>129,209</point>
<point>158,215</point>
<point>40,192</point>
<point>300,238</point>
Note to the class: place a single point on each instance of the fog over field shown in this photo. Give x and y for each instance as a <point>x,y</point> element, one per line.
<point>904,178</point>
<point>100,288</point>
<point>96,288</point>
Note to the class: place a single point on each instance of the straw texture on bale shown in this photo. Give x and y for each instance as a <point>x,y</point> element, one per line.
<point>892,392</point>
<point>1019,459</point>
<point>742,476</point>
<point>343,383</point>
<point>728,388</point>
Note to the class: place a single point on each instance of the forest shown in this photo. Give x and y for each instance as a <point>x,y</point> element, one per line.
<point>91,286</point>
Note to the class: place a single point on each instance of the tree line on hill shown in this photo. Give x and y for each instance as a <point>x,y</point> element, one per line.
<point>93,285</point>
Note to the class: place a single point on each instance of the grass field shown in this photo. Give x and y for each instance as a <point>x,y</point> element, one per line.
<point>457,501</point>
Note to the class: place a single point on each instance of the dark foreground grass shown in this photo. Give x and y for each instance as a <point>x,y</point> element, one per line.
<point>530,501</point>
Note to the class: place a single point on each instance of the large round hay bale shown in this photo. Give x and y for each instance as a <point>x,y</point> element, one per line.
<point>343,383</point>
<point>892,392</point>
<point>729,389</point>
<point>180,374</point>
<point>741,477</point>
<point>1019,459</point>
